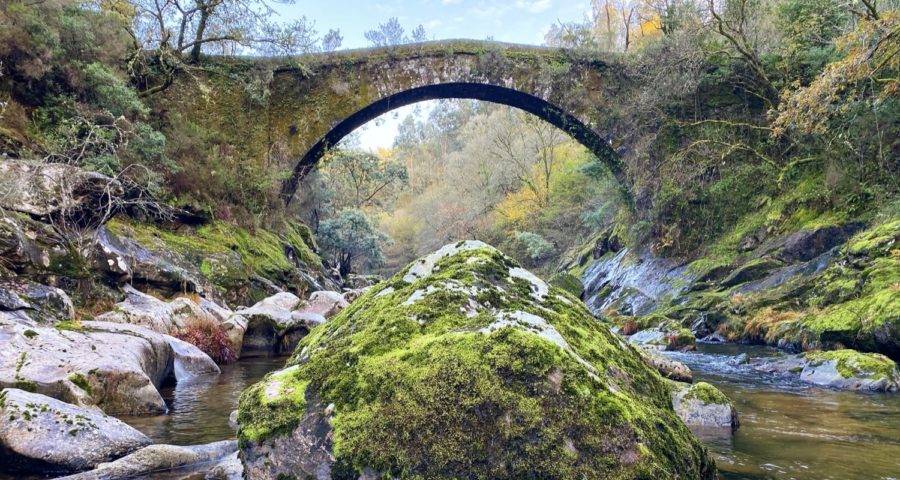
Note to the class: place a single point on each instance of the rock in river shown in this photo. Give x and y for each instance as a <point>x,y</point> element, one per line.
<point>465,365</point>
<point>44,435</point>
<point>703,405</point>
<point>195,461</point>
<point>843,369</point>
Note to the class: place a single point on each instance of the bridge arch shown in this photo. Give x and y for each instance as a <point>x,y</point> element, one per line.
<point>288,111</point>
<point>534,105</point>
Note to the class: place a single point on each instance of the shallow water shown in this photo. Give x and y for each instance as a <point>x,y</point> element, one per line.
<point>790,430</point>
<point>199,410</point>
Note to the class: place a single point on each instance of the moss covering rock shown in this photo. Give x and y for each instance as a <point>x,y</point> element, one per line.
<point>218,259</point>
<point>465,365</point>
<point>703,405</point>
<point>842,369</point>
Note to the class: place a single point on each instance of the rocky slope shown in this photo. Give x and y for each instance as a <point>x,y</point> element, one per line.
<point>829,287</point>
<point>465,364</point>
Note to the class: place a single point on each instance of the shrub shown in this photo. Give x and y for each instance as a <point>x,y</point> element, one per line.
<point>208,336</point>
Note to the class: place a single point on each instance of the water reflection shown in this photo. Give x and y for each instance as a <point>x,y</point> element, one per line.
<point>199,410</point>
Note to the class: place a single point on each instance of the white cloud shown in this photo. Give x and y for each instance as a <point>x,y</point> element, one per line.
<point>450,2</point>
<point>534,6</point>
<point>432,24</point>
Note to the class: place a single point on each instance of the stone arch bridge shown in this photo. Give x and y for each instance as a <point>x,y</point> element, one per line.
<point>309,106</point>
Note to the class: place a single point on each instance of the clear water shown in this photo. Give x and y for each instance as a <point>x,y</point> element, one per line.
<point>790,430</point>
<point>199,410</point>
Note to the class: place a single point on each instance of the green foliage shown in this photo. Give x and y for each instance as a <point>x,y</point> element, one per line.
<point>352,237</point>
<point>108,91</point>
<point>534,246</point>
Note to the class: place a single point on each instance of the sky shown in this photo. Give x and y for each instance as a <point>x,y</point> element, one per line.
<point>514,21</point>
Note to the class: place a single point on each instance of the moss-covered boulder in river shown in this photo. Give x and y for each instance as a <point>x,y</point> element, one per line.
<point>465,365</point>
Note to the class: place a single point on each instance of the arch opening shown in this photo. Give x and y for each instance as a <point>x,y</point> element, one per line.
<point>471,91</point>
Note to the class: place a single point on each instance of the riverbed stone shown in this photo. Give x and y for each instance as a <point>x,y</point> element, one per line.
<point>269,321</point>
<point>667,367</point>
<point>705,406</point>
<point>193,461</point>
<point>190,362</point>
<point>485,374</point>
<point>91,364</point>
<point>44,435</point>
<point>841,369</point>
<point>325,303</point>
<point>138,308</point>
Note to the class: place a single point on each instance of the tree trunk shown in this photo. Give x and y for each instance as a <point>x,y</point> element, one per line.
<point>198,39</point>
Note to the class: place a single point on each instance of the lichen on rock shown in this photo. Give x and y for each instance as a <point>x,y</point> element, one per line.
<point>498,375</point>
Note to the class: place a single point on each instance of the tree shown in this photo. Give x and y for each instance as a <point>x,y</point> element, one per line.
<point>170,35</point>
<point>351,237</point>
<point>332,41</point>
<point>360,179</point>
<point>734,21</point>
<point>392,33</point>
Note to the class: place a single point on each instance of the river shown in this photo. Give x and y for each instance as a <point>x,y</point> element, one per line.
<point>789,430</point>
<point>199,410</point>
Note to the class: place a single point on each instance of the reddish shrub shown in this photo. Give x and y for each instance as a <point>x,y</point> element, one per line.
<point>630,327</point>
<point>208,336</point>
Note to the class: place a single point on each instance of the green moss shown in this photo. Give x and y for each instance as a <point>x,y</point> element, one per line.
<point>707,394</point>
<point>30,333</point>
<point>81,381</point>
<point>273,406</point>
<point>568,282</point>
<point>212,248</point>
<point>851,363</point>
<point>875,241</point>
<point>70,325</point>
<point>424,388</point>
<point>680,339</point>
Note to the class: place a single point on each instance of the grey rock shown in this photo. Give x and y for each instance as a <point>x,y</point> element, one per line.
<point>697,408</point>
<point>649,337</point>
<point>138,308</point>
<point>39,302</point>
<point>667,367</point>
<point>130,262</point>
<point>55,190</point>
<point>164,458</point>
<point>309,442</point>
<point>44,435</point>
<point>633,283</point>
<point>825,373</point>
<point>325,303</point>
<point>268,323</point>
<point>97,365</point>
<point>750,271</point>
<point>806,244</point>
<point>190,362</point>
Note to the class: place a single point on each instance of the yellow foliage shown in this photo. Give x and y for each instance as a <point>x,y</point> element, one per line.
<point>518,207</point>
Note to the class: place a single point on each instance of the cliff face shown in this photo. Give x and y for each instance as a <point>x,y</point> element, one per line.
<point>823,287</point>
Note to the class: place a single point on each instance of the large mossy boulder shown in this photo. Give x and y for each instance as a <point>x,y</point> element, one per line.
<point>465,365</point>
